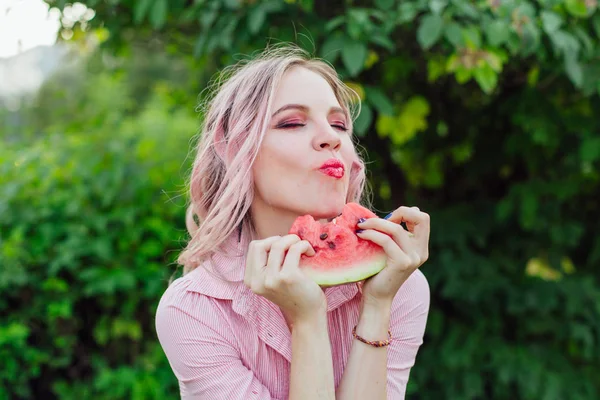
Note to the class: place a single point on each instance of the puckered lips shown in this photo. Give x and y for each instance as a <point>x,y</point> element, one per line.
<point>333,168</point>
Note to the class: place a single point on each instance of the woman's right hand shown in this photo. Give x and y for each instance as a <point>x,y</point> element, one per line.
<point>275,275</point>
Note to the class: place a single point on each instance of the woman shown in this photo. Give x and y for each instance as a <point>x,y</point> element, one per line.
<point>244,322</point>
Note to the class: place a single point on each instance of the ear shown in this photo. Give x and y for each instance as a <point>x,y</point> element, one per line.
<point>356,166</point>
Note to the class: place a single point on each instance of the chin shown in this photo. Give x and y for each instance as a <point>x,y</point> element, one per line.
<point>327,210</point>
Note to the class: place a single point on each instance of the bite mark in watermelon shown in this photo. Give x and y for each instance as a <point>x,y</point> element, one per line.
<point>340,255</point>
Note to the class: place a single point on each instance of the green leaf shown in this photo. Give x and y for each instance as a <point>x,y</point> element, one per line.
<point>472,37</point>
<point>430,30</point>
<point>379,100</point>
<point>364,120</point>
<point>590,149</point>
<point>596,24</point>
<point>574,70</point>
<point>354,55</point>
<point>529,209</point>
<point>437,6</point>
<point>307,5</point>
<point>530,41</point>
<point>412,119</point>
<point>494,61</point>
<point>208,17</point>
<point>486,77</point>
<point>384,4</point>
<point>565,43</point>
<point>577,8</point>
<point>332,47</point>
<point>272,6</point>
<point>407,12</point>
<point>158,15</point>
<point>383,41</point>
<point>232,4</point>
<point>453,33</point>
<point>463,75</point>
<point>551,21</point>
<point>200,45</point>
<point>140,10</point>
<point>436,67</point>
<point>533,76</point>
<point>256,19</point>
<point>385,125</point>
<point>334,23</point>
<point>497,32</point>
<point>357,22</point>
<point>465,9</point>
<point>586,40</point>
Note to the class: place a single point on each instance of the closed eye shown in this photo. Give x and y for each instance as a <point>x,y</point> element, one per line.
<point>296,125</point>
<point>290,125</point>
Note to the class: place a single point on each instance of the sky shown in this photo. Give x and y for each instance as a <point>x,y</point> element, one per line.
<point>25,24</point>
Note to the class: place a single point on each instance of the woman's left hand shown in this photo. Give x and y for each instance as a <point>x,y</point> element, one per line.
<point>406,251</point>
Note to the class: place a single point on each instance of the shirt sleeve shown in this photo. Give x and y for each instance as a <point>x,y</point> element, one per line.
<point>408,320</point>
<point>206,364</point>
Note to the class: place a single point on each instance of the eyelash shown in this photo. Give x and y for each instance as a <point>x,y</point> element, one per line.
<point>295,125</point>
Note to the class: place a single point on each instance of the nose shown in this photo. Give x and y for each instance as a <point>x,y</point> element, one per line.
<point>327,138</point>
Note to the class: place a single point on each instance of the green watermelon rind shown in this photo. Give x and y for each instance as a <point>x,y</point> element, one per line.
<point>356,272</point>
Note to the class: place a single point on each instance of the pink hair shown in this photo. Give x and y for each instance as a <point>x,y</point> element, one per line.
<point>236,119</point>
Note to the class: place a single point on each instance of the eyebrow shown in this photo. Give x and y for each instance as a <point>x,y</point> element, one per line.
<point>304,108</point>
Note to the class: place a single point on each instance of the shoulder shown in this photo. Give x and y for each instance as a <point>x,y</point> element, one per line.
<point>180,293</point>
<point>182,304</point>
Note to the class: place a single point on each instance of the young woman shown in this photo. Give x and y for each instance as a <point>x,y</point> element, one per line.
<point>244,322</point>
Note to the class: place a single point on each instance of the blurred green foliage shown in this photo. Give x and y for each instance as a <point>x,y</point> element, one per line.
<point>482,113</point>
<point>91,214</point>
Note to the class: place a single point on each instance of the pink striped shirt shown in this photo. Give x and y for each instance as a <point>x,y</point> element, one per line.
<point>225,342</point>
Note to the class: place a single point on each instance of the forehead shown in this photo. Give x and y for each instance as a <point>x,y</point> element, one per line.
<point>300,85</point>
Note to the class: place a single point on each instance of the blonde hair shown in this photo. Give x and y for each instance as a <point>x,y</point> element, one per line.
<point>221,186</point>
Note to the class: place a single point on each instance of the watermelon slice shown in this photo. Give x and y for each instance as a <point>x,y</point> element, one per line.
<point>341,256</point>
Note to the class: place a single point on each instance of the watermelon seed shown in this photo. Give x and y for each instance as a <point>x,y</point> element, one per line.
<point>323,236</point>
<point>331,245</point>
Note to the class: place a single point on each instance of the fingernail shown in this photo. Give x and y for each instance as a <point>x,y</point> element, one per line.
<point>387,216</point>
<point>359,230</point>
<point>361,220</point>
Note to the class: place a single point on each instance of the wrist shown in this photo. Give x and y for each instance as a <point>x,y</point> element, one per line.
<point>374,321</point>
<point>310,320</point>
<point>373,304</point>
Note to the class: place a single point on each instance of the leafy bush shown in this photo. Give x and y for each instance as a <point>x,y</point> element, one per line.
<point>90,220</point>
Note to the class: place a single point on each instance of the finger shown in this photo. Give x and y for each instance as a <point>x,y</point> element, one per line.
<point>411,225</point>
<point>400,235</point>
<point>256,259</point>
<point>277,254</point>
<point>292,259</point>
<point>416,221</point>
<point>391,248</point>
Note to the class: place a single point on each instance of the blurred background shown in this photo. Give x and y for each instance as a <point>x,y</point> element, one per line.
<point>484,113</point>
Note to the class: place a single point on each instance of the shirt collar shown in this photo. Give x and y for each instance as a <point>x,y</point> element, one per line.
<point>221,276</point>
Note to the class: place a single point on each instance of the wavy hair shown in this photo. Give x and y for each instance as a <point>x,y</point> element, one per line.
<point>221,186</point>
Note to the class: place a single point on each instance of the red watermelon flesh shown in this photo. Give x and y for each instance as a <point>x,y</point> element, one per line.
<point>340,255</point>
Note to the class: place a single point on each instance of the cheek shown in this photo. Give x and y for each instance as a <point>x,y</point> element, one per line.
<point>348,153</point>
<point>272,164</point>
<point>281,154</point>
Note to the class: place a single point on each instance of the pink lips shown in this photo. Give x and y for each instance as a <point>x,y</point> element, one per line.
<point>333,167</point>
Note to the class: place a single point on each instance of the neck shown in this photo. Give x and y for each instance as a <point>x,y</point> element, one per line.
<point>270,221</point>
